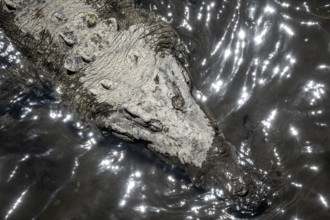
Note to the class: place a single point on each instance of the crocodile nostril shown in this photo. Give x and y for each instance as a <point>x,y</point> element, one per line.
<point>241,190</point>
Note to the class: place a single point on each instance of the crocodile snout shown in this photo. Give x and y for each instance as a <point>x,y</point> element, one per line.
<point>245,192</point>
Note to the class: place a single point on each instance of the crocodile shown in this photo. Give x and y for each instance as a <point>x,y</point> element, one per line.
<point>121,67</point>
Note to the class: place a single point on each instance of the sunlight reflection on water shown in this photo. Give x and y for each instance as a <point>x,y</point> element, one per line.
<point>266,62</point>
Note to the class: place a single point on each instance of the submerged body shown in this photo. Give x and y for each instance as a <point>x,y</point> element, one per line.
<point>118,66</point>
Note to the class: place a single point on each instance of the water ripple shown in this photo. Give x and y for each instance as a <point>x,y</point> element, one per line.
<point>262,68</point>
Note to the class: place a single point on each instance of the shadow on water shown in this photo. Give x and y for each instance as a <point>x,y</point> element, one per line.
<point>261,67</point>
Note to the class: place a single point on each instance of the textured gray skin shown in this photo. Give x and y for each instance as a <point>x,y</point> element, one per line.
<point>118,66</point>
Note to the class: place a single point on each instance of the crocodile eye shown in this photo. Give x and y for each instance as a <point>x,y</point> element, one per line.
<point>11,5</point>
<point>178,102</point>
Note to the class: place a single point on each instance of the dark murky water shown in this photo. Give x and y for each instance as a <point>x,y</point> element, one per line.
<point>263,69</point>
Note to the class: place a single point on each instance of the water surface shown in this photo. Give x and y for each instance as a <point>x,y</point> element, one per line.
<point>263,70</point>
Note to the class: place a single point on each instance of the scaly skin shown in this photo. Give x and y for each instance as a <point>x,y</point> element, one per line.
<point>118,66</point>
